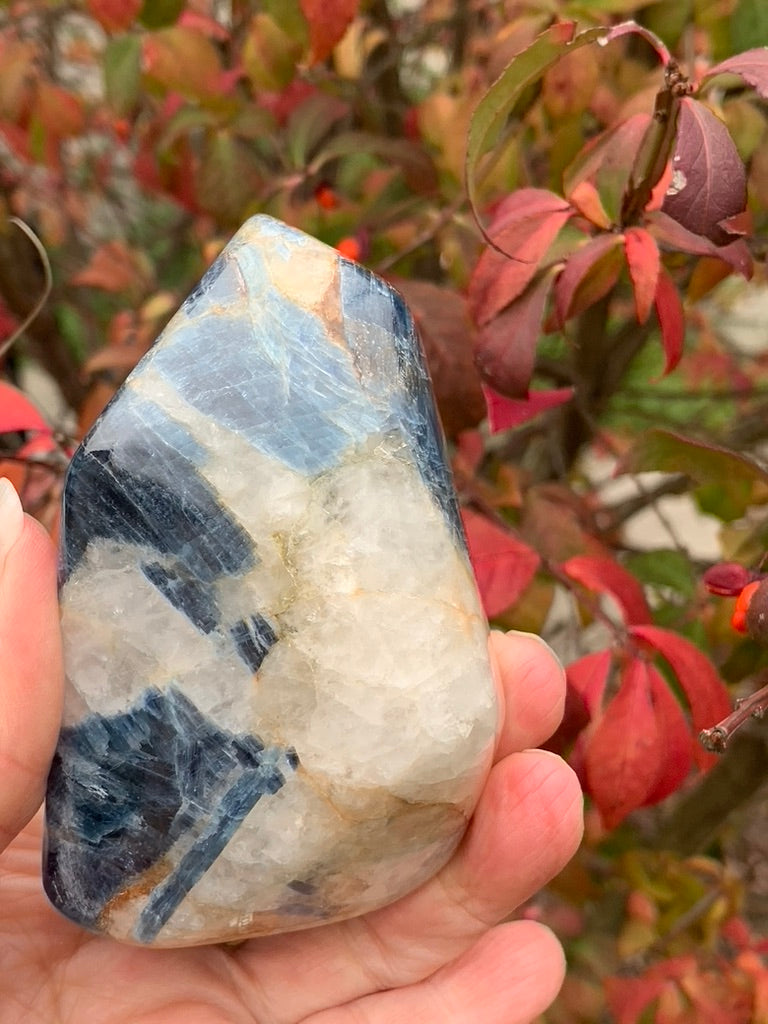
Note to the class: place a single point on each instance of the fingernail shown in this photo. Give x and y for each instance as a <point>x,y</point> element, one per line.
<point>535,636</point>
<point>11,517</point>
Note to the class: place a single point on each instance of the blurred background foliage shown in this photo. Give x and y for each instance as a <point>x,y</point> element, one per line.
<point>136,136</point>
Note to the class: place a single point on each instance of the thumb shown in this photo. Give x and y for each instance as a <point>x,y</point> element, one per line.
<point>31,677</point>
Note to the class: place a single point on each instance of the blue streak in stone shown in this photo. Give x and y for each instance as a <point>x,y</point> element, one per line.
<point>368,302</point>
<point>253,638</point>
<point>132,493</point>
<point>194,599</point>
<point>236,803</point>
<point>124,789</point>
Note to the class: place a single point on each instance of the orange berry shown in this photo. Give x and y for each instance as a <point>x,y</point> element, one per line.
<point>349,247</point>
<point>739,617</point>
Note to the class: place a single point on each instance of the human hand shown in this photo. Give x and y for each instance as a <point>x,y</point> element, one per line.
<point>437,955</point>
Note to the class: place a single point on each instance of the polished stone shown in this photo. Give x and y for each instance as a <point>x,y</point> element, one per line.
<point>279,707</point>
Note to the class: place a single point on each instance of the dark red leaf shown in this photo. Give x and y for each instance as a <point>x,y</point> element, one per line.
<point>644,264</point>
<point>503,565</point>
<point>623,753</point>
<point>709,182</point>
<point>17,413</point>
<point>328,20</point>
<point>669,310</point>
<point>505,413</point>
<point>632,28</point>
<point>505,348</point>
<point>677,756</point>
<point>588,275</point>
<point>707,695</point>
<point>727,579</point>
<point>525,225</point>
<point>608,577</point>
<point>588,676</point>
<point>751,66</point>
<point>675,237</point>
<point>447,333</point>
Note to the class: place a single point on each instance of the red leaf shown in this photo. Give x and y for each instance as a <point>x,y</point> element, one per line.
<point>669,310</point>
<point>114,15</point>
<point>608,577</point>
<point>677,238</point>
<point>505,348</point>
<point>588,677</point>
<point>17,413</point>
<point>60,112</point>
<point>644,264</point>
<point>752,66</point>
<point>627,998</point>
<point>588,275</point>
<point>709,182</point>
<point>328,20</point>
<point>677,756</point>
<point>525,225</point>
<point>707,696</point>
<point>622,756</point>
<point>587,201</point>
<point>112,268</point>
<point>505,413</point>
<point>503,565</point>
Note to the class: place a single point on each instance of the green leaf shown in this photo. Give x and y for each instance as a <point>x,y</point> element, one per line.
<point>288,15</point>
<point>749,25</point>
<point>725,502</point>
<point>706,463</point>
<point>497,104</point>
<point>269,54</point>
<point>159,13</point>
<point>73,330</point>
<point>229,177</point>
<point>666,568</point>
<point>309,124</point>
<point>122,73</point>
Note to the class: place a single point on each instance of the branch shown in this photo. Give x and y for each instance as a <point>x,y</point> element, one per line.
<point>716,739</point>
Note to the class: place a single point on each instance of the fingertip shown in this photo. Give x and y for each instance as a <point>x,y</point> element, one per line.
<point>532,683</point>
<point>31,675</point>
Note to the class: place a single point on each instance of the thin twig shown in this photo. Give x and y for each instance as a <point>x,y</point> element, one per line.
<point>47,288</point>
<point>716,739</point>
<point>443,218</point>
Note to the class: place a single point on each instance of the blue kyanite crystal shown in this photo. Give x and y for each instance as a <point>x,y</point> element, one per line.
<point>279,708</point>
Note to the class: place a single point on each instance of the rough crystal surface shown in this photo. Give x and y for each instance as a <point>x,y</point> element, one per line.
<point>279,707</point>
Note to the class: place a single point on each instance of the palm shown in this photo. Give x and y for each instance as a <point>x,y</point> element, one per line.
<point>429,957</point>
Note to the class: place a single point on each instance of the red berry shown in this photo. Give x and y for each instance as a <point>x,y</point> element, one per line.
<point>349,247</point>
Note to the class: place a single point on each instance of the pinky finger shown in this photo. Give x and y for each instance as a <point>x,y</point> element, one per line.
<point>510,976</point>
